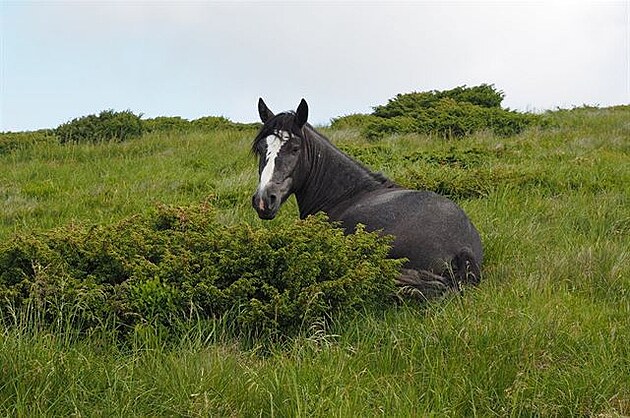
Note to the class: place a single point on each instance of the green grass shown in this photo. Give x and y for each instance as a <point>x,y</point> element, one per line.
<point>49,185</point>
<point>545,334</point>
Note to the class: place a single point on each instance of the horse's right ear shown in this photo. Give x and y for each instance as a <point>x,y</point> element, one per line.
<point>263,111</point>
<point>301,113</point>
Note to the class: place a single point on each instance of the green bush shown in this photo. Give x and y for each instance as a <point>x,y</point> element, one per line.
<point>203,124</point>
<point>121,126</point>
<point>107,126</point>
<point>177,263</point>
<point>354,121</point>
<point>212,123</point>
<point>411,104</point>
<point>451,114</point>
<point>219,123</point>
<point>509,122</point>
<point>380,127</point>
<point>10,141</point>
<point>166,124</point>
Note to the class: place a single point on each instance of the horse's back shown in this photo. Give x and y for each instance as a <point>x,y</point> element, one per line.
<point>429,230</point>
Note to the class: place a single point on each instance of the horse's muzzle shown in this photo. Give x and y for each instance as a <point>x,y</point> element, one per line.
<point>267,201</point>
<point>266,205</point>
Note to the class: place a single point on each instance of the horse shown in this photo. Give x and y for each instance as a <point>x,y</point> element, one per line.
<point>441,246</point>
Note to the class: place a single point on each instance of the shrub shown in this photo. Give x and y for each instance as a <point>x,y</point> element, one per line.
<point>354,121</point>
<point>10,141</point>
<point>107,126</point>
<point>379,127</point>
<point>411,104</point>
<point>203,124</point>
<point>451,114</point>
<point>509,122</point>
<point>484,95</point>
<point>164,268</point>
<point>212,123</point>
<point>219,123</point>
<point>166,124</point>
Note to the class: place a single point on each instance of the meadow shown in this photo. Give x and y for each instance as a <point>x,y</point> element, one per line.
<point>545,333</point>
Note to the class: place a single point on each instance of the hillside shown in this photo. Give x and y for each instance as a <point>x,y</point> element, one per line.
<point>544,334</point>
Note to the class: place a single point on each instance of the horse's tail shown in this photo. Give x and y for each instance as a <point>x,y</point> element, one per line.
<point>466,268</point>
<point>463,269</point>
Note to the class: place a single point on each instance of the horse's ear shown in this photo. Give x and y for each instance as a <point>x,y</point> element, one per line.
<point>263,111</point>
<point>301,113</point>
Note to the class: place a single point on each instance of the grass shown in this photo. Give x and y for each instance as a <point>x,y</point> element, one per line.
<point>545,334</point>
<point>49,184</point>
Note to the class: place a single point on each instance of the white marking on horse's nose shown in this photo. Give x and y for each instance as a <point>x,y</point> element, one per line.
<point>274,144</point>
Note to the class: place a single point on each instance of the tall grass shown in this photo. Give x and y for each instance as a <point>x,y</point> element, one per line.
<point>545,334</point>
<point>47,184</point>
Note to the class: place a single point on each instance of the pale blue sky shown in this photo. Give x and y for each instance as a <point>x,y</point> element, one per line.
<point>63,59</point>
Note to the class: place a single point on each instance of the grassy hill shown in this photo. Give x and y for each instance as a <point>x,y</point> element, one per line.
<point>546,332</point>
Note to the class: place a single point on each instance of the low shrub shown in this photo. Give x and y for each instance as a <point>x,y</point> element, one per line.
<point>380,127</point>
<point>211,123</point>
<point>106,126</point>
<point>10,141</point>
<point>471,172</point>
<point>204,124</point>
<point>450,114</point>
<point>354,121</point>
<point>219,123</point>
<point>411,104</point>
<point>166,124</point>
<point>178,263</point>
<point>121,126</point>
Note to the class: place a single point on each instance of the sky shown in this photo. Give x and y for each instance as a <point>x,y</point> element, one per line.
<point>64,59</point>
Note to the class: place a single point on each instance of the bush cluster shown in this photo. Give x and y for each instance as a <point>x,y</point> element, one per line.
<point>106,126</point>
<point>353,121</point>
<point>451,113</point>
<point>412,104</point>
<point>166,124</point>
<point>203,124</point>
<point>473,172</point>
<point>121,126</point>
<point>10,141</point>
<point>177,263</point>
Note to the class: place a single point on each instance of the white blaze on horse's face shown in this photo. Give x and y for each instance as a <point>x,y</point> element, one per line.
<point>274,145</point>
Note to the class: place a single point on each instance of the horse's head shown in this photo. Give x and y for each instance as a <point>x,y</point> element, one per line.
<point>278,146</point>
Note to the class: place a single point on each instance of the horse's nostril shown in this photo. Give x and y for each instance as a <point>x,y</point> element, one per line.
<point>272,198</point>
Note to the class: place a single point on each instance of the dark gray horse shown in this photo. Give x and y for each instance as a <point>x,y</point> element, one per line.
<point>433,233</point>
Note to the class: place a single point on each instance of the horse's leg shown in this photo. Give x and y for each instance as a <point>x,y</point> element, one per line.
<point>463,269</point>
<point>422,284</point>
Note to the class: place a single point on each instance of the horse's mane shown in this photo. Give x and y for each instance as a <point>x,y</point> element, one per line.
<point>378,177</point>
<point>286,122</point>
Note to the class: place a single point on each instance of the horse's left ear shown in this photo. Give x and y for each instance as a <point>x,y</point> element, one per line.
<point>301,114</point>
<point>263,111</point>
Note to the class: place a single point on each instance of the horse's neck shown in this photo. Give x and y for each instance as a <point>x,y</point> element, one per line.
<point>332,179</point>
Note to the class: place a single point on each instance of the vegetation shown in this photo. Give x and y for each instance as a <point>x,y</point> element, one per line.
<point>178,264</point>
<point>451,114</point>
<point>107,126</point>
<point>122,126</point>
<point>544,334</point>
<point>177,124</point>
<point>10,141</point>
